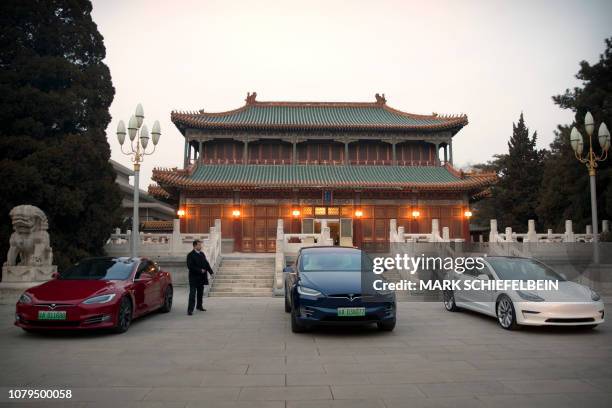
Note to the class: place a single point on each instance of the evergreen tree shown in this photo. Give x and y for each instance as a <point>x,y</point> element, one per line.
<point>484,208</point>
<point>565,189</point>
<point>514,198</point>
<point>55,92</point>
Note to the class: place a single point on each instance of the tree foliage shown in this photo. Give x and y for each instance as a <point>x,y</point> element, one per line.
<point>514,198</point>
<point>565,187</point>
<point>55,92</point>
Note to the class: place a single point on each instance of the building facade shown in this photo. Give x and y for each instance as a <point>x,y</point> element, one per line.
<point>356,165</point>
<point>151,209</point>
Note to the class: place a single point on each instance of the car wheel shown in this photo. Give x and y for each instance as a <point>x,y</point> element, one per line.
<point>167,305</point>
<point>386,325</point>
<point>506,315</point>
<point>449,301</point>
<point>296,326</point>
<point>124,316</point>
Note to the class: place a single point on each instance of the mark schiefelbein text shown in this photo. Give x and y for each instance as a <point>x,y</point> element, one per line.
<point>477,284</point>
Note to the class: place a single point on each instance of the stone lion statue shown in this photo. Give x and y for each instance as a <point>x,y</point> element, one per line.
<point>29,242</point>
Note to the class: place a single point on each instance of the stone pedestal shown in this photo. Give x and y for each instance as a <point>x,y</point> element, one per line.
<point>16,279</point>
<point>30,274</point>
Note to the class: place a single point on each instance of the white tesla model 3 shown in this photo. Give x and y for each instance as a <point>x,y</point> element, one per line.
<point>572,304</point>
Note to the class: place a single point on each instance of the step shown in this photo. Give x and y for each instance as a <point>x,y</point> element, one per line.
<point>244,276</point>
<point>231,285</point>
<point>237,280</point>
<point>246,267</point>
<point>222,279</point>
<point>239,294</point>
<point>248,255</point>
<point>246,271</point>
<point>241,289</point>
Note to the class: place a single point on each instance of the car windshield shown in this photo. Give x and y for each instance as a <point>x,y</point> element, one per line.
<point>96,269</point>
<point>340,261</point>
<point>522,269</point>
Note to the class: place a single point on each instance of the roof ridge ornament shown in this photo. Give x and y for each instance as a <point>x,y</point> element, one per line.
<point>380,99</point>
<point>250,99</point>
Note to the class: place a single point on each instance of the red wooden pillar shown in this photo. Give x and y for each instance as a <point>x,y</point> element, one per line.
<point>296,225</point>
<point>237,233</point>
<point>357,231</point>
<point>466,228</point>
<point>237,222</point>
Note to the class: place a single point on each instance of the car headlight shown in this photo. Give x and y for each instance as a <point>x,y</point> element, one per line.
<point>532,297</point>
<point>595,296</point>
<point>24,298</point>
<point>100,299</point>
<point>304,291</point>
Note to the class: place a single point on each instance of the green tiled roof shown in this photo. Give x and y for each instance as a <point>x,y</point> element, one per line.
<point>324,115</point>
<point>320,174</point>
<point>316,176</point>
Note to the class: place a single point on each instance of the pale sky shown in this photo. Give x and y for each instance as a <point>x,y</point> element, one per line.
<point>487,59</point>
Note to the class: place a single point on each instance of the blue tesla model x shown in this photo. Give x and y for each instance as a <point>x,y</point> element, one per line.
<point>325,284</point>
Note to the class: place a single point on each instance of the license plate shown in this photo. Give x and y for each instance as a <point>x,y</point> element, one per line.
<point>51,315</point>
<point>351,311</point>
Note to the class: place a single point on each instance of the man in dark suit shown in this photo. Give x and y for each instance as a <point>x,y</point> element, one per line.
<point>198,276</point>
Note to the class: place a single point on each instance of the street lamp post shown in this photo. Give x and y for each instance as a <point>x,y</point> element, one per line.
<point>139,140</point>
<point>590,160</point>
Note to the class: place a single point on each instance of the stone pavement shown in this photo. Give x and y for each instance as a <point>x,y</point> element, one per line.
<point>241,352</point>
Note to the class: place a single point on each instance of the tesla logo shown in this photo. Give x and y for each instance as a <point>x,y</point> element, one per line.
<point>351,297</point>
<point>52,306</point>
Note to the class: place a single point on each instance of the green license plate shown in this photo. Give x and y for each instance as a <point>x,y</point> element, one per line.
<point>351,311</point>
<point>51,315</point>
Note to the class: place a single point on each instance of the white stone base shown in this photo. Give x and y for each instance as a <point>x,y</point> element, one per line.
<point>30,274</point>
<point>16,279</point>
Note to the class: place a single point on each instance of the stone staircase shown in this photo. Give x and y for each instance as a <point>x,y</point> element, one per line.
<point>244,275</point>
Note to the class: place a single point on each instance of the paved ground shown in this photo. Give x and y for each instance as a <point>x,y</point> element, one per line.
<point>241,352</point>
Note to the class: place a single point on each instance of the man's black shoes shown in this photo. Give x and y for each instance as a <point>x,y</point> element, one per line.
<point>189,313</point>
<point>201,309</point>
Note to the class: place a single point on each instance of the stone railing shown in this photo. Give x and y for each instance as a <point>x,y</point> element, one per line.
<point>290,244</point>
<point>154,245</point>
<point>397,234</point>
<point>170,250</point>
<point>532,236</point>
<point>570,253</point>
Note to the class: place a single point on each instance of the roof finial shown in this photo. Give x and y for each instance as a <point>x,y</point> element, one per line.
<point>380,99</point>
<point>250,99</point>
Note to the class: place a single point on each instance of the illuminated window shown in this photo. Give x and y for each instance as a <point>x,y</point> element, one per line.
<point>319,210</point>
<point>307,210</point>
<point>347,211</point>
<point>333,211</point>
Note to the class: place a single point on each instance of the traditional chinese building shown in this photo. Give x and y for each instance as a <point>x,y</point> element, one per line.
<point>355,164</point>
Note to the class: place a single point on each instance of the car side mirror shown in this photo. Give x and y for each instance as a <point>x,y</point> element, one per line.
<point>288,269</point>
<point>482,276</point>
<point>55,275</point>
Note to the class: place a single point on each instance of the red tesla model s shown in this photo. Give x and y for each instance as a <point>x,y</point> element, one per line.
<point>96,293</point>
